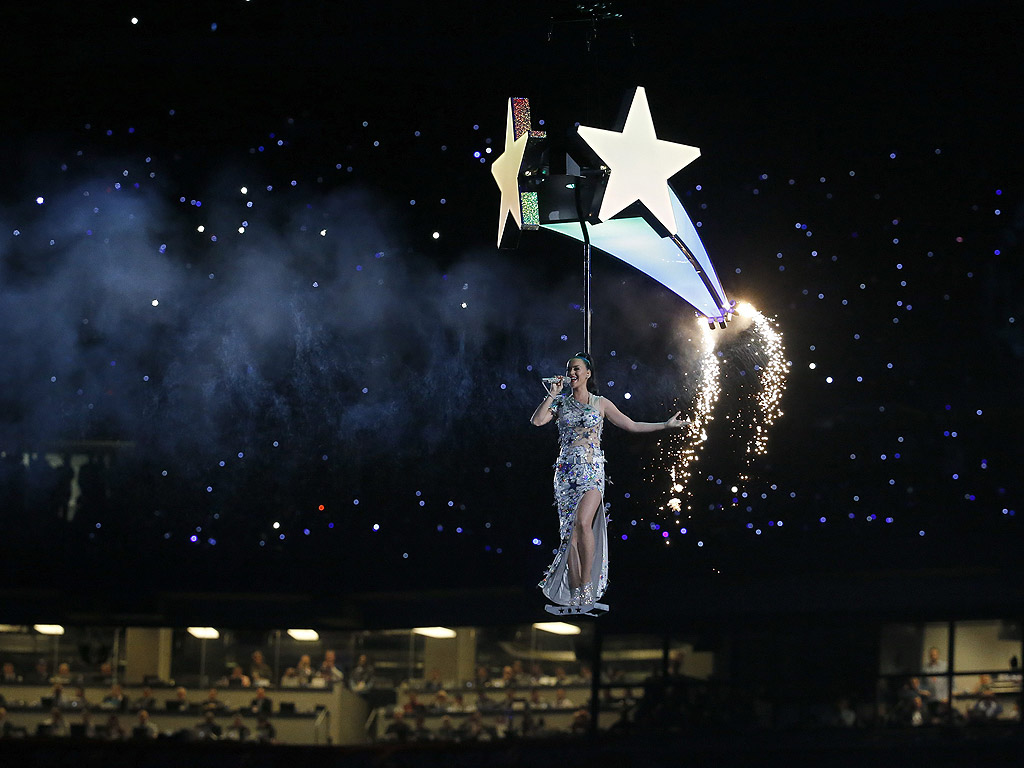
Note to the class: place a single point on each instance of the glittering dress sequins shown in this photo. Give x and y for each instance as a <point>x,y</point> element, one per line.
<point>579,468</point>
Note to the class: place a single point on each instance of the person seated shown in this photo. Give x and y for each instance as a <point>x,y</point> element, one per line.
<point>146,701</point>
<point>580,722</point>
<point>180,702</point>
<point>304,669</point>
<point>474,729</point>
<point>86,727</point>
<point>985,710</point>
<point>5,724</point>
<point>440,702</point>
<point>362,678</point>
<point>145,728</point>
<point>484,703</point>
<point>259,671</point>
<point>261,705</point>
<point>458,703</point>
<point>105,675</point>
<point>413,706</point>
<point>910,705</point>
<point>63,675</point>
<point>237,731</point>
<point>984,685</point>
<point>500,727</point>
<point>265,731</point>
<point>207,728</point>
<point>482,679</point>
<point>398,729</point>
<point>57,698</point>
<point>213,702</point>
<point>329,668</point>
<point>529,727</point>
<point>519,676</point>
<point>420,732</point>
<point>535,701</point>
<point>844,715</point>
<point>54,725</point>
<point>512,701</point>
<point>507,677</point>
<point>115,699</point>
<point>236,679</point>
<point>446,731</point>
<point>290,678</point>
<point>114,730</point>
<point>77,700</point>
<point>562,677</point>
<point>562,701</point>
<point>433,683</point>
<point>9,675</point>
<point>42,672</point>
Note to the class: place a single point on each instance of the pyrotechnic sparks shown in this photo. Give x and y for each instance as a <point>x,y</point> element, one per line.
<point>681,455</point>
<point>764,353</point>
<point>772,377</point>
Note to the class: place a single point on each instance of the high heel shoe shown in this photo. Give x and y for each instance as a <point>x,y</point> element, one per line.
<point>586,597</point>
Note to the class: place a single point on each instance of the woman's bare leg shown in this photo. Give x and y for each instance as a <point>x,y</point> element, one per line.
<point>581,544</point>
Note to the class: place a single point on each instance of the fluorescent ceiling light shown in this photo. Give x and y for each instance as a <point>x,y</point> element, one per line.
<point>305,635</point>
<point>204,633</point>
<point>436,632</point>
<point>48,629</point>
<point>557,627</point>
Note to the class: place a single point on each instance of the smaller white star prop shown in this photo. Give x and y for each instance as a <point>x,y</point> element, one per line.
<point>505,170</point>
<point>640,164</point>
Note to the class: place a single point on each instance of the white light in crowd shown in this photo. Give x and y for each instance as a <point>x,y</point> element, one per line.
<point>557,627</point>
<point>304,635</point>
<point>436,235</point>
<point>441,633</point>
<point>204,633</point>
<point>48,629</point>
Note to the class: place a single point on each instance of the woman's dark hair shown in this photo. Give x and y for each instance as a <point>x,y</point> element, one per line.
<point>592,381</point>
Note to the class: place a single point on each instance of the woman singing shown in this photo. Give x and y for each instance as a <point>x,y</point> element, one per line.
<point>578,576</point>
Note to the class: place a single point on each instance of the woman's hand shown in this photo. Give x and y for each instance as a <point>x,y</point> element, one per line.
<point>555,388</point>
<point>674,422</point>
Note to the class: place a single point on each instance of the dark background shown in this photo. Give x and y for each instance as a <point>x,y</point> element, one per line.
<point>909,114</point>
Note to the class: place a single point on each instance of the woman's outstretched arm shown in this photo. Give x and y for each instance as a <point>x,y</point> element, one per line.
<point>622,421</point>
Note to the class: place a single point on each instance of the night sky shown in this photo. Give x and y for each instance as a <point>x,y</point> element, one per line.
<point>251,244</point>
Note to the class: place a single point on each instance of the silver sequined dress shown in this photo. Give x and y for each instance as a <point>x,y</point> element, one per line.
<point>579,468</point>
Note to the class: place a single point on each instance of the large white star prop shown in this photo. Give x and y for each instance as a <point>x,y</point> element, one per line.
<point>505,170</point>
<point>640,164</point>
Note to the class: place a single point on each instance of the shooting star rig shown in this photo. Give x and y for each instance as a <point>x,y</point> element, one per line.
<point>608,189</point>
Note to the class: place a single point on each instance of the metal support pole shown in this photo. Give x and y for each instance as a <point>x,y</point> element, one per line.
<point>587,340</point>
<point>587,310</point>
